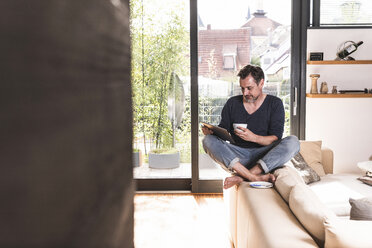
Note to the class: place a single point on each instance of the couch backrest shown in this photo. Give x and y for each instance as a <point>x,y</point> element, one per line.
<point>327,160</point>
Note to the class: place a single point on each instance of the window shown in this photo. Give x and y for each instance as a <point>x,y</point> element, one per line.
<point>228,62</point>
<point>267,61</point>
<point>346,12</point>
<point>169,42</point>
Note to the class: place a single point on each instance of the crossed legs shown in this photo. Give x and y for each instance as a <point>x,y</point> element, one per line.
<point>242,173</point>
<point>238,160</point>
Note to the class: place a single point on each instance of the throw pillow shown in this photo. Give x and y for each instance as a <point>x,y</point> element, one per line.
<point>312,153</point>
<point>343,233</point>
<point>306,172</point>
<point>310,211</point>
<point>361,209</point>
<point>286,179</point>
<point>366,180</point>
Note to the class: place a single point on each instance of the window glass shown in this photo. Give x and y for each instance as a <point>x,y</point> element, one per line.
<point>346,12</point>
<point>160,39</point>
<point>231,35</point>
<point>228,62</point>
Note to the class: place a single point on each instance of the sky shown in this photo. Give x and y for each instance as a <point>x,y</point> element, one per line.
<point>232,13</point>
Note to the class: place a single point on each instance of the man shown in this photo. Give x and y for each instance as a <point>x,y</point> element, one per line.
<point>259,148</point>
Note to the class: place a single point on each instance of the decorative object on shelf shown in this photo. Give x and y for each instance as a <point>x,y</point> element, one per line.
<point>316,56</point>
<point>345,49</point>
<point>324,88</point>
<point>334,89</point>
<point>314,83</point>
<point>354,91</point>
<point>370,91</point>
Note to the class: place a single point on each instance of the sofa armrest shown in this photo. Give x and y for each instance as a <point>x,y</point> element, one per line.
<point>264,220</point>
<point>327,160</point>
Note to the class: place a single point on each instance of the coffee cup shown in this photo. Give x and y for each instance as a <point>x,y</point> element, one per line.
<point>236,125</point>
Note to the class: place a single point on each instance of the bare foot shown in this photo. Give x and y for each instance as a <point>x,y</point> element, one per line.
<point>231,181</point>
<point>265,177</point>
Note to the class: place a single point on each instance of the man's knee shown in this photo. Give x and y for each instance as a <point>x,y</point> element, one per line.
<point>208,141</point>
<point>293,143</point>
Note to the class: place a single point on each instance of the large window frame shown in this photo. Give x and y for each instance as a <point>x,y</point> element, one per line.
<point>305,15</point>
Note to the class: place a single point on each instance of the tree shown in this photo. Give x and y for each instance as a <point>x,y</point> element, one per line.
<point>256,61</point>
<point>160,48</point>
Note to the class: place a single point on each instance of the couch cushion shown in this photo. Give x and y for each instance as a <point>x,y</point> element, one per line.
<point>286,178</point>
<point>312,153</point>
<point>361,209</point>
<point>310,211</point>
<point>264,220</point>
<point>340,233</point>
<point>307,173</point>
<point>334,190</point>
<point>327,160</point>
<point>366,180</point>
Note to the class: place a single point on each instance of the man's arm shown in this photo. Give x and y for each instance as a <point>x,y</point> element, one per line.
<point>275,130</point>
<point>248,135</point>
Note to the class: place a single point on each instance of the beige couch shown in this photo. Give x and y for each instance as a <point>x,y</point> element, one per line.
<point>263,217</point>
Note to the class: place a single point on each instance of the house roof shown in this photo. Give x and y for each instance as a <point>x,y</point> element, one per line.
<point>200,22</point>
<point>261,24</point>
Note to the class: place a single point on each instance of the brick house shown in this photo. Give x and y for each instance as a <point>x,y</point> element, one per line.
<point>222,52</point>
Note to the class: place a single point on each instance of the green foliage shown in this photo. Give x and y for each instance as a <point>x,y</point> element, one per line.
<point>256,61</point>
<point>160,47</point>
<point>210,109</point>
<point>164,151</point>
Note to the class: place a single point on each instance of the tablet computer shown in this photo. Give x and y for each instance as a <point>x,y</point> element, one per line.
<point>220,132</point>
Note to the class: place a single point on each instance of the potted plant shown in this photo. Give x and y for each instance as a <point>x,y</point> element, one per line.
<point>168,158</point>
<point>137,157</point>
<point>164,158</point>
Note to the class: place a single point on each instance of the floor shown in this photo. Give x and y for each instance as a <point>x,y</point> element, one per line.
<point>183,171</point>
<point>208,169</point>
<point>180,220</point>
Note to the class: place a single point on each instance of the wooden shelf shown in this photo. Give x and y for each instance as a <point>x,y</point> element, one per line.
<point>346,95</point>
<point>339,62</point>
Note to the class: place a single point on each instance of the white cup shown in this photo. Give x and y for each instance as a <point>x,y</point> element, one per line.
<point>236,125</point>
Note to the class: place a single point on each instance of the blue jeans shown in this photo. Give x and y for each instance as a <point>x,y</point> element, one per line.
<point>269,157</point>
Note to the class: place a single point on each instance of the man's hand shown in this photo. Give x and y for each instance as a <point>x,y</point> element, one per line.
<point>248,135</point>
<point>245,134</point>
<point>206,130</point>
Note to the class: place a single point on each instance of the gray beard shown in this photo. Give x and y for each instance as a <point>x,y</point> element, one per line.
<point>252,100</point>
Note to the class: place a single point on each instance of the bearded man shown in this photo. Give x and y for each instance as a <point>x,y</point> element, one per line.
<point>259,148</point>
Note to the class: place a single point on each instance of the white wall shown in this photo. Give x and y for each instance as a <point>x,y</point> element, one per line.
<point>343,124</point>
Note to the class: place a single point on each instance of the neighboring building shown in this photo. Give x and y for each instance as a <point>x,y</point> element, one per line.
<point>222,52</point>
<point>261,28</point>
<point>275,60</point>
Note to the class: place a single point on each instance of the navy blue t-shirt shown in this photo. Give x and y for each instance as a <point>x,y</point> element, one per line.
<point>267,120</point>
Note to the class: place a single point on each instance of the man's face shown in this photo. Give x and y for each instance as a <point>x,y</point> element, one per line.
<point>251,91</point>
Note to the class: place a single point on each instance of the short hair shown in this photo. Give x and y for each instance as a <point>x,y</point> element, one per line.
<point>255,71</point>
